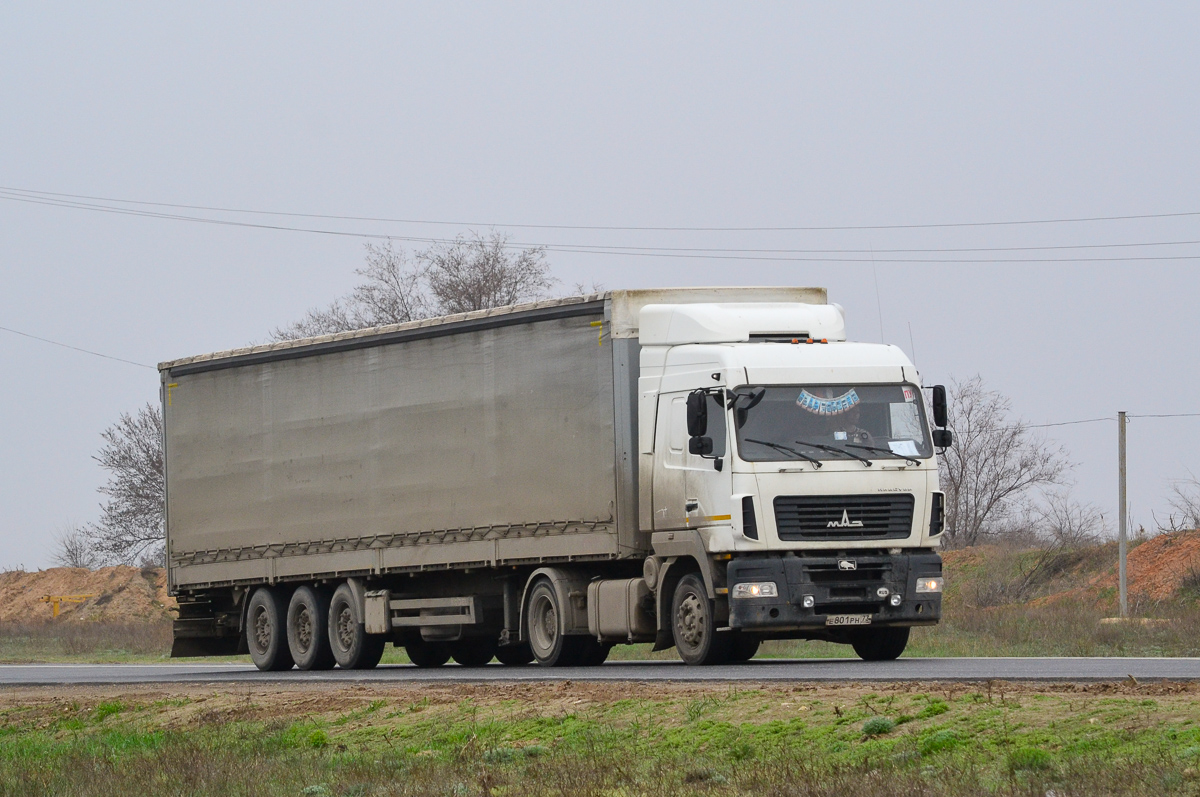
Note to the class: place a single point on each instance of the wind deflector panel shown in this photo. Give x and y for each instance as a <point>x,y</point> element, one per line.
<point>843,517</point>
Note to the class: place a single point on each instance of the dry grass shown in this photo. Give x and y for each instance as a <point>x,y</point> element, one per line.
<point>603,739</point>
<point>84,641</point>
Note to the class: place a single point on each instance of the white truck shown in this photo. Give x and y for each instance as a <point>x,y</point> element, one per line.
<point>703,468</point>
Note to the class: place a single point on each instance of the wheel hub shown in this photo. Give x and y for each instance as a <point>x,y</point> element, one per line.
<point>345,628</point>
<point>262,631</point>
<point>690,621</point>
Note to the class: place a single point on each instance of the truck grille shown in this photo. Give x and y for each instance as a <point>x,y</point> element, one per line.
<point>843,517</point>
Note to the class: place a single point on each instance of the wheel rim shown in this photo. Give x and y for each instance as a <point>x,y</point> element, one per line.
<point>262,631</point>
<point>543,625</point>
<point>690,621</point>
<point>304,629</point>
<point>345,628</point>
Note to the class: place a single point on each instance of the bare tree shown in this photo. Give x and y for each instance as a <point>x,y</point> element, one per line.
<point>476,272</point>
<point>132,523</point>
<point>994,461</point>
<point>73,547</point>
<point>1185,500</point>
<point>473,272</point>
<point>1067,523</point>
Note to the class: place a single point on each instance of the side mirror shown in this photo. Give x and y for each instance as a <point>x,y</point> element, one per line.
<point>697,413</point>
<point>943,438</point>
<point>700,446</point>
<point>941,414</point>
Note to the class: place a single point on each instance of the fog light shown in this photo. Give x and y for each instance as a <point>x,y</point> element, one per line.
<point>930,584</point>
<point>808,601</point>
<point>883,592</point>
<point>761,589</point>
<point>896,600</point>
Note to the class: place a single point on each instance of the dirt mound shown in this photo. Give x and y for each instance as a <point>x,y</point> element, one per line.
<point>122,594</point>
<point>1159,567</point>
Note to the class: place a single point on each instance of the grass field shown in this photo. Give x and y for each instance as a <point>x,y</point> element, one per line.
<point>603,739</point>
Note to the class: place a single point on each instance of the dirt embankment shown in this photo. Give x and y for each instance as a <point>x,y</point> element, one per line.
<point>1160,569</point>
<point>120,594</point>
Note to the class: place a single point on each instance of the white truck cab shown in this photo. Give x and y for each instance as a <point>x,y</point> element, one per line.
<point>801,463</point>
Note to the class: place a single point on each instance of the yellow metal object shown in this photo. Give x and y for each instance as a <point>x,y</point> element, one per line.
<point>56,601</point>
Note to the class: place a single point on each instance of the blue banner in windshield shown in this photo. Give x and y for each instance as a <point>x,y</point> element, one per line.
<point>828,406</point>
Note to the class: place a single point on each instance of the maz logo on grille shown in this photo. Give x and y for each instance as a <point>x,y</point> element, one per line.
<point>845,522</point>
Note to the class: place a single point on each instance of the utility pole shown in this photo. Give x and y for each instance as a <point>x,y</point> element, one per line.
<point>1122,520</point>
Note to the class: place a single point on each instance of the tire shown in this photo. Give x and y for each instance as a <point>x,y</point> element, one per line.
<point>880,644</point>
<point>694,626</point>
<point>307,629</point>
<point>515,655</point>
<point>543,619</point>
<point>743,648</point>
<point>266,634</point>
<point>353,648</point>
<point>428,654</point>
<point>473,652</point>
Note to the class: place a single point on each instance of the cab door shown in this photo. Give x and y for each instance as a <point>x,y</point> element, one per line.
<point>670,463</point>
<point>682,479</point>
<point>709,488</point>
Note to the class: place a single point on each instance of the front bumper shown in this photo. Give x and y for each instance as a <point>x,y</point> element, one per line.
<point>835,589</point>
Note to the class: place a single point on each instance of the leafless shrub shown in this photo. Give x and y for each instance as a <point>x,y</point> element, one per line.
<point>1185,501</point>
<point>994,462</point>
<point>73,547</point>
<point>1067,523</point>
<point>131,525</point>
<point>473,272</point>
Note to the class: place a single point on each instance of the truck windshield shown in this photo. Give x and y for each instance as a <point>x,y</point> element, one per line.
<point>832,422</point>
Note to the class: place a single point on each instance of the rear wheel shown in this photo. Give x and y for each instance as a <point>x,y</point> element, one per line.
<point>428,654</point>
<point>473,652</point>
<point>880,644</point>
<point>307,634</point>
<point>694,626</point>
<point>266,634</point>
<point>353,648</point>
<point>550,646</point>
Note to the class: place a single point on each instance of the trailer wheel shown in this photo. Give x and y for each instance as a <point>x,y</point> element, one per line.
<point>307,634</point>
<point>880,644</point>
<point>550,646</point>
<point>694,625</point>
<point>266,634</point>
<point>428,654</point>
<point>473,652</point>
<point>515,655</point>
<point>353,648</point>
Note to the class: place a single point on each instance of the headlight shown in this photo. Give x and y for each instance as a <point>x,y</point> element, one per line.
<point>929,584</point>
<point>757,589</point>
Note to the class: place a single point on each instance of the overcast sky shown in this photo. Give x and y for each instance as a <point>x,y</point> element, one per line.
<point>688,115</point>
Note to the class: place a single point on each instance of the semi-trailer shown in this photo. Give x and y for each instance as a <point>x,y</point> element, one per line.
<point>703,468</point>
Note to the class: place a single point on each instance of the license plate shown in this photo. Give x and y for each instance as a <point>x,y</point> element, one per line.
<point>848,619</point>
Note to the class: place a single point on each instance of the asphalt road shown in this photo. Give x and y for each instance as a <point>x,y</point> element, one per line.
<point>957,669</point>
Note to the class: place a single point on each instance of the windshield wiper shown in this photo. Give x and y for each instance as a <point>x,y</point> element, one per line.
<point>787,449</point>
<point>885,451</point>
<point>835,450</point>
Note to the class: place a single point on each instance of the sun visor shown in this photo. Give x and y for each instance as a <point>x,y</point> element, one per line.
<point>676,324</point>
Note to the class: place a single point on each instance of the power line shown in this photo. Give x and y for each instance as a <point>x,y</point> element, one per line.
<point>623,250</point>
<point>76,348</point>
<point>830,228</point>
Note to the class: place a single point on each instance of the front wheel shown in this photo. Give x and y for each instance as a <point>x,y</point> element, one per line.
<point>694,625</point>
<point>880,644</point>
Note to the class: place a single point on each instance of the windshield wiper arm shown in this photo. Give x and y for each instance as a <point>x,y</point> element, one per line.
<point>836,450</point>
<point>787,449</point>
<point>885,451</point>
